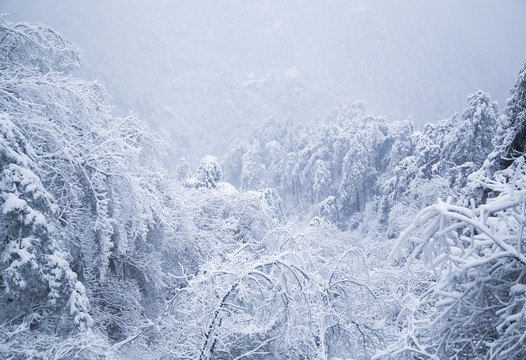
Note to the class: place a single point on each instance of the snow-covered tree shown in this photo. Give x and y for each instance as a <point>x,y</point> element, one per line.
<point>362,165</point>
<point>511,136</point>
<point>302,298</point>
<point>472,138</point>
<point>253,172</point>
<point>275,202</point>
<point>35,270</point>
<point>400,134</point>
<point>182,170</point>
<point>208,174</point>
<point>508,143</point>
<point>322,180</point>
<point>101,171</point>
<point>329,209</point>
<point>477,306</point>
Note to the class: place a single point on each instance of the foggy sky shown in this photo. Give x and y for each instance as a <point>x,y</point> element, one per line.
<point>202,72</point>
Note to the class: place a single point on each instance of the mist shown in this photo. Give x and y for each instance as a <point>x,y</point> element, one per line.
<point>204,72</point>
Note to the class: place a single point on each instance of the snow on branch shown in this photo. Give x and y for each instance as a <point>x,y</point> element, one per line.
<point>478,303</point>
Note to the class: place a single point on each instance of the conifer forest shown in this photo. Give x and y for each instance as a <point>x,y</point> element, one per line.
<point>262,179</point>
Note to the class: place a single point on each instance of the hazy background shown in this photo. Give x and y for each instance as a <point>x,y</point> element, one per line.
<point>203,72</point>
